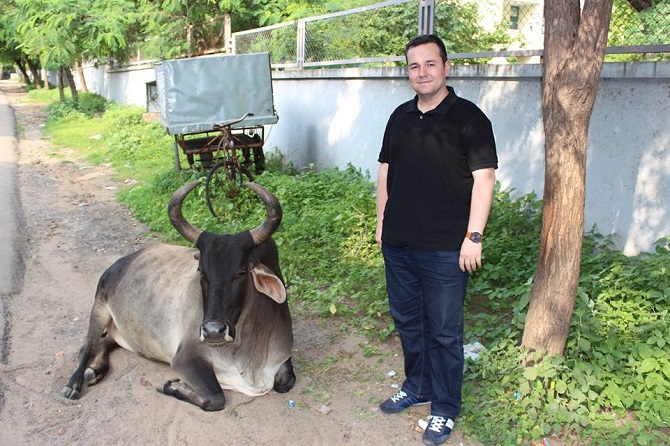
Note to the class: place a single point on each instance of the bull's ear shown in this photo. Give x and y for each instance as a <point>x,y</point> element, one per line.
<point>268,283</point>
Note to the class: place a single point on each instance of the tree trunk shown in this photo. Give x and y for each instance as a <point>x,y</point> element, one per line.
<point>574,48</point>
<point>640,5</point>
<point>227,33</point>
<point>22,68</point>
<point>73,86</point>
<point>45,78</point>
<point>61,87</point>
<point>35,71</point>
<point>80,74</point>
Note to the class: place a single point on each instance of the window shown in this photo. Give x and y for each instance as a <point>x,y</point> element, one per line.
<point>514,16</point>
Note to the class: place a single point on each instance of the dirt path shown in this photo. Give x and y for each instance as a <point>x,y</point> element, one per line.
<point>74,230</point>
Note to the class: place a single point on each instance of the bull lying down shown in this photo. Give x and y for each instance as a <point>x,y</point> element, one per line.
<point>217,314</point>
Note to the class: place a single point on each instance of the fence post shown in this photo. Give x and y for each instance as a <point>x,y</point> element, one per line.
<point>301,43</point>
<point>426,16</point>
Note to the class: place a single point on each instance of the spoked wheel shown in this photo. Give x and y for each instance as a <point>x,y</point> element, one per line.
<point>224,181</point>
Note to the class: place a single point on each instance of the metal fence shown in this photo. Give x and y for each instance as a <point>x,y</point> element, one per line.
<point>506,31</point>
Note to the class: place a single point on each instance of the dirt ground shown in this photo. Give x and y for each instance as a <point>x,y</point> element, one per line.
<point>74,229</point>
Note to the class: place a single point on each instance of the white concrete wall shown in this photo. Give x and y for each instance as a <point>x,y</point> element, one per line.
<point>336,117</point>
<point>124,85</point>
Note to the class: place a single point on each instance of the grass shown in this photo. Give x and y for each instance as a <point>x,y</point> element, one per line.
<point>611,386</point>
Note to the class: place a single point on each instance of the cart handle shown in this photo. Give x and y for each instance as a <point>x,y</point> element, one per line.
<point>231,122</point>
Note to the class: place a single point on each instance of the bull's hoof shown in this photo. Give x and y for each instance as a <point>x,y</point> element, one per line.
<point>214,403</point>
<point>184,392</point>
<point>91,377</point>
<point>70,393</point>
<point>169,387</point>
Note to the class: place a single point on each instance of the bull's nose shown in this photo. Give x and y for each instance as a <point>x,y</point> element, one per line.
<point>215,332</point>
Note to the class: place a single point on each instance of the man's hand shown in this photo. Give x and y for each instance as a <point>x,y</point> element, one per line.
<point>378,234</point>
<point>471,256</point>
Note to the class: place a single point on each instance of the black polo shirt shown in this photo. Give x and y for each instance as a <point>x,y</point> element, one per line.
<point>431,157</point>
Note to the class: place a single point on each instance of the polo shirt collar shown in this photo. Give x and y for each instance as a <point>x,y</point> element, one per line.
<point>442,108</point>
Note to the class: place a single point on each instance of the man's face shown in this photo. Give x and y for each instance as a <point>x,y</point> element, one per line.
<point>427,72</point>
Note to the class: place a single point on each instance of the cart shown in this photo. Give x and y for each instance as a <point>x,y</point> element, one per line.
<point>214,103</point>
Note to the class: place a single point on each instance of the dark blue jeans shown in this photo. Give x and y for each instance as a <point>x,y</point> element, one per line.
<point>426,292</point>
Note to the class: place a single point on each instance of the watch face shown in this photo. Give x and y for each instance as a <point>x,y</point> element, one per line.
<point>476,237</point>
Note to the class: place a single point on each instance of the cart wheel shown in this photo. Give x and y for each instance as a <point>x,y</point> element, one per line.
<point>224,181</point>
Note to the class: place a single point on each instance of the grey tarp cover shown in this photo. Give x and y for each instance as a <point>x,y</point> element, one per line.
<point>195,94</point>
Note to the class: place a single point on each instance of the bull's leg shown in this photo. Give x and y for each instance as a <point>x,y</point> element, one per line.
<point>100,318</point>
<point>200,387</point>
<point>285,377</point>
<point>99,365</point>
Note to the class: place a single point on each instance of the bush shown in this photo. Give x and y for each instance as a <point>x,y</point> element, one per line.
<point>91,104</point>
<point>611,386</point>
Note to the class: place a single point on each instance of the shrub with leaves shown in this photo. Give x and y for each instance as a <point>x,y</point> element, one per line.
<point>89,105</point>
<point>611,386</point>
<point>613,383</point>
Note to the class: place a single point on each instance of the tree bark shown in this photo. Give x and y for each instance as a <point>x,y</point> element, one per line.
<point>82,78</point>
<point>73,87</point>
<point>45,78</point>
<point>61,87</point>
<point>35,71</point>
<point>22,68</point>
<point>227,33</point>
<point>640,5</point>
<point>574,48</point>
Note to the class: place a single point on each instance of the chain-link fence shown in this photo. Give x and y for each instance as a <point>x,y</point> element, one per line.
<point>474,31</point>
<point>279,40</point>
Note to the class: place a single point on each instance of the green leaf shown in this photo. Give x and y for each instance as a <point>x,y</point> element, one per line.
<point>666,369</point>
<point>584,420</point>
<point>530,373</point>
<point>648,365</point>
<point>524,388</point>
<point>561,387</point>
<point>644,351</point>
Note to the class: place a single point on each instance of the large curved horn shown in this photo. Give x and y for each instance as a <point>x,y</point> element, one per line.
<point>186,229</point>
<point>263,232</point>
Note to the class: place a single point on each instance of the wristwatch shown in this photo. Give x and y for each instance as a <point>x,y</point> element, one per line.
<point>475,237</point>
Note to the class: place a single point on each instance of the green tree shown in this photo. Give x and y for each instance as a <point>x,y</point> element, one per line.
<point>110,28</point>
<point>64,33</point>
<point>10,51</point>
<point>457,23</point>
<point>385,31</point>
<point>48,31</point>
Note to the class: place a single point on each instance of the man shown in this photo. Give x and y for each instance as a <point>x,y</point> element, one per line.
<point>434,193</point>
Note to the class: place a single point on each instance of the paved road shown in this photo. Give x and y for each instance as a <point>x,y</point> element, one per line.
<point>11,235</point>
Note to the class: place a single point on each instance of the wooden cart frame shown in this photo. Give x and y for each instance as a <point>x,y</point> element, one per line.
<point>200,95</point>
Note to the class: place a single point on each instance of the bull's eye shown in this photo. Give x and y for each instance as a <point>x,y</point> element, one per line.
<point>241,274</point>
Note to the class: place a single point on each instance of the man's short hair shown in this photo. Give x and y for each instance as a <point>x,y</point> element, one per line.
<point>428,38</point>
